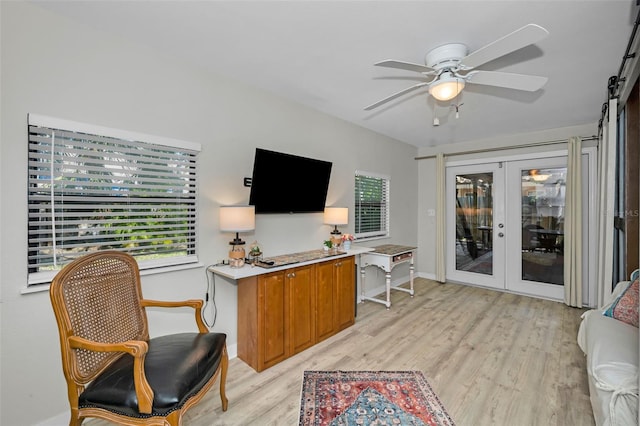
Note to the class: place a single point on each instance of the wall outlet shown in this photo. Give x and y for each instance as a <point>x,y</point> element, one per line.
<point>431,212</point>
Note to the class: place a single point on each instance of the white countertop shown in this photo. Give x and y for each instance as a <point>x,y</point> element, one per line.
<point>250,270</point>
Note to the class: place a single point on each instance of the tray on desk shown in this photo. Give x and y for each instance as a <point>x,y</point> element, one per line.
<point>391,249</point>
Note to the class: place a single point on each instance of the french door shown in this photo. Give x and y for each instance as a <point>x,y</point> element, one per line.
<point>505,225</point>
<point>475,207</point>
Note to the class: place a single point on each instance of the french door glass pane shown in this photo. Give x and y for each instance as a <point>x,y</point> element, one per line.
<point>543,204</point>
<point>474,222</point>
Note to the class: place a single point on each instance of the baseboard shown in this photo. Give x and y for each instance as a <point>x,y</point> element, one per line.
<point>426,276</point>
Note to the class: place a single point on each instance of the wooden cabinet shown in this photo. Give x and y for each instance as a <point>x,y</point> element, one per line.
<point>272,309</point>
<point>335,297</point>
<point>285,312</point>
<point>344,283</point>
<point>301,303</point>
<point>325,300</point>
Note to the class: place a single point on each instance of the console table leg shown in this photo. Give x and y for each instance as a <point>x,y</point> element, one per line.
<point>388,283</point>
<point>411,269</point>
<point>362,284</point>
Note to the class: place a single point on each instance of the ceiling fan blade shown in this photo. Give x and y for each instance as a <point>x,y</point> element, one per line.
<point>530,83</point>
<point>401,65</point>
<point>395,95</point>
<point>518,39</point>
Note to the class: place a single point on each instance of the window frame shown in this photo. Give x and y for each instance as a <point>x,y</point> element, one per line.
<point>384,229</point>
<point>88,134</point>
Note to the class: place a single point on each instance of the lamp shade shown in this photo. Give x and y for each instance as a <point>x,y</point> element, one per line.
<point>446,87</point>
<point>336,215</point>
<point>237,218</point>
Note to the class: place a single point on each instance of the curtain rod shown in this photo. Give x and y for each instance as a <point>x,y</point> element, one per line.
<point>529,145</point>
<point>616,81</point>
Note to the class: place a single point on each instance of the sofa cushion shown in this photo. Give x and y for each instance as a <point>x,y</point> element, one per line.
<point>612,364</point>
<point>625,307</point>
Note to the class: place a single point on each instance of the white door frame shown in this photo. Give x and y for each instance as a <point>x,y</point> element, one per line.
<point>589,244</point>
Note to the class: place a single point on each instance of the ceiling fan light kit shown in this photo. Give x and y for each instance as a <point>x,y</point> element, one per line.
<point>446,87</point>
<point>449,67</point>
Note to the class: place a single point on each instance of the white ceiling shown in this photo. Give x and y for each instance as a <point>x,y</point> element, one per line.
<point>321,54</point>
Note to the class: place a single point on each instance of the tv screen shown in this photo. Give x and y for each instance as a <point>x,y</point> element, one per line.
<point>285,183</point>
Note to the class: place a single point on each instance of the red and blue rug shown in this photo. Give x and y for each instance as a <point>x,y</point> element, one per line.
<point>370,398</point>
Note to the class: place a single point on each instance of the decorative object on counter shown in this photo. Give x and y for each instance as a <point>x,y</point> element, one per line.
<point>346,241</point>
<point>237,219</point>
<point>255,253</point>
<point>336,216</point>
<point>327,245</point>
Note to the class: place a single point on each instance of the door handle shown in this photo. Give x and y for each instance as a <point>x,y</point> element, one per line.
<point>500,234</point>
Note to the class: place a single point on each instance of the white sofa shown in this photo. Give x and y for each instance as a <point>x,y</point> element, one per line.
<point>611,348</point>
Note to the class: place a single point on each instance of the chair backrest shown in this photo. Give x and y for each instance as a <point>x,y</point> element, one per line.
<point>97,297</point>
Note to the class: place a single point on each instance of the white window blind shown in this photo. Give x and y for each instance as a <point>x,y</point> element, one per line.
<point>371,205</point>
<point>93,188</point>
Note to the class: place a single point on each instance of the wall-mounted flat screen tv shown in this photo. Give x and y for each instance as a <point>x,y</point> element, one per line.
<point>285,183</point>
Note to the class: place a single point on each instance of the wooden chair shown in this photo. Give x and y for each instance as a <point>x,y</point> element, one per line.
<point>113,369</point>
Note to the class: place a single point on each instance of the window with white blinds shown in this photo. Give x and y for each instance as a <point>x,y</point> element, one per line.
<point>94,188</point>
<point>371,205</point>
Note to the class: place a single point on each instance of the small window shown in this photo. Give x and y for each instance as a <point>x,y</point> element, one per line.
<point>94,188</point>
<point>371,205</point>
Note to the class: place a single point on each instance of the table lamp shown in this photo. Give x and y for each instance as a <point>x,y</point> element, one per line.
<point>336,216</point>
<point>237,219</point>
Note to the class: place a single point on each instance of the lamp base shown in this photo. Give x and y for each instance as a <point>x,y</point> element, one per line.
<point>237,256</point>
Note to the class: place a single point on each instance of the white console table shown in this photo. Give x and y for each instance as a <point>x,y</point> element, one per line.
<point>386,257</point>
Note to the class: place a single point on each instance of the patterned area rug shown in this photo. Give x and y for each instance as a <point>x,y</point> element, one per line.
<point>370,398</point>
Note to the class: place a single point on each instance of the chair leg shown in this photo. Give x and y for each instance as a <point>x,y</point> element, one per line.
<point>75,419</point>
<point>224,364</point>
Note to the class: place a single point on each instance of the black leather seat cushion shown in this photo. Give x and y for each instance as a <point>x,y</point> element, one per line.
<point>177,366</point>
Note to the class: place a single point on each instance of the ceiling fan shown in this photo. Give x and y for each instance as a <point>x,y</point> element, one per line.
<point>449,68</point>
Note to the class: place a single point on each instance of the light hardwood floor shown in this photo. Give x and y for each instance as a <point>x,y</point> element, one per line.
<point>493,359</point>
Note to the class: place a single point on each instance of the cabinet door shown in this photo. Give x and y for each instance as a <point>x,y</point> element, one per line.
<point>325,299</point>
<point>301,308</point>
<point>272,319</point>
<point>345,293</point>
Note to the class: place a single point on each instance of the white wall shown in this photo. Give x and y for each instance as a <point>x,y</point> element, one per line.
<point>55,67</point>
<point>427,176</point>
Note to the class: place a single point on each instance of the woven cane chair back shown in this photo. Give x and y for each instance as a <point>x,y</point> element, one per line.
<point>97,298</point>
